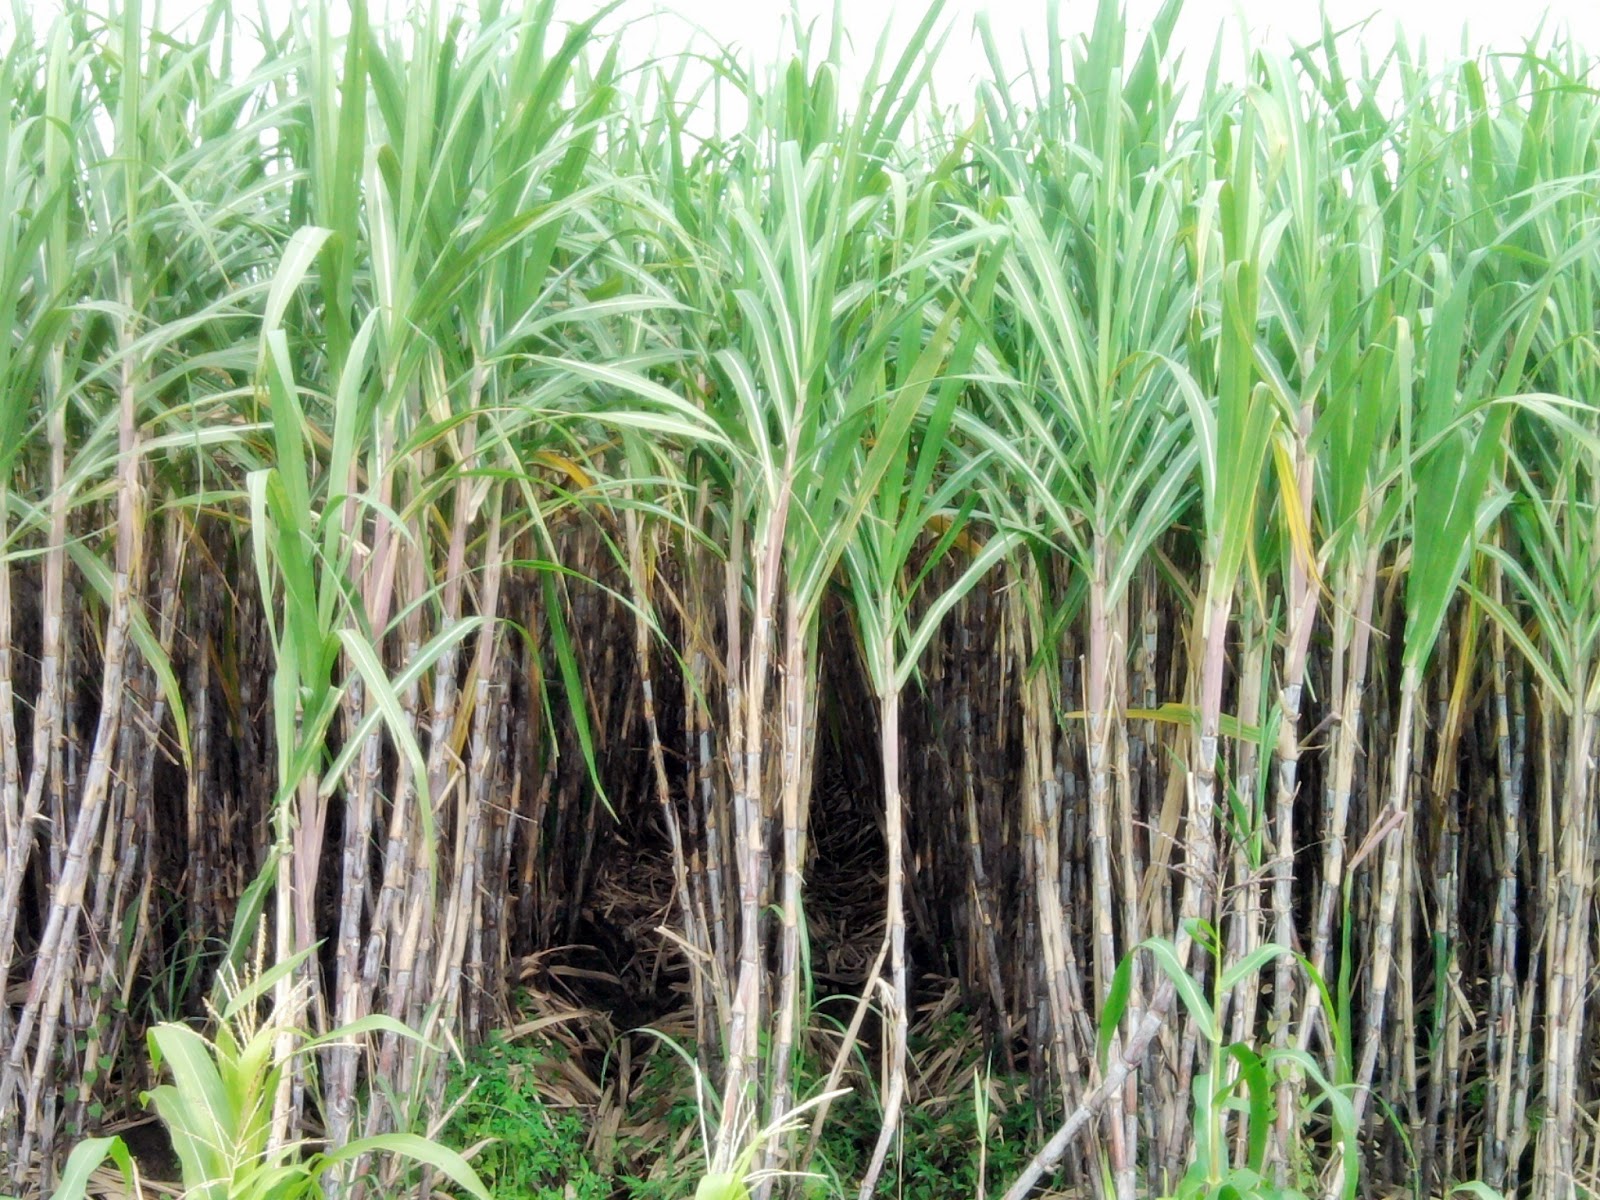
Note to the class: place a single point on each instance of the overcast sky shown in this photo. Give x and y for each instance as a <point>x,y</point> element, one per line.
<point>759,27</point>
<point>1499,23</point>
<point>757,24</point>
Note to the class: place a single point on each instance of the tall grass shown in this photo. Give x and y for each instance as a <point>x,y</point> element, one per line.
<point>430,460</point>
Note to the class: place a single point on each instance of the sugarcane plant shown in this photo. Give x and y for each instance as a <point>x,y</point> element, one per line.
<point>758,550</point>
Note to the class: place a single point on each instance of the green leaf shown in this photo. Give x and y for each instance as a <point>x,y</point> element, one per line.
<point>1165,955</point>
<point>418,1149</point>
<point>86,1158</point>
<point>1262,1111</point>
<point>1250,965</point>
<point>1111,1012</point>
<point>721,1186</point>
<point>572,683</point>
<point>264,983</point>
<point>304,246</point>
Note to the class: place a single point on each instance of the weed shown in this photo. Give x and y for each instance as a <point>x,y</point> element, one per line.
<point>525,1148</point>
<point>218,1108</point>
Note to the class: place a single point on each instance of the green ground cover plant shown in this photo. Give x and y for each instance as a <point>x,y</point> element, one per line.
<point>523,1147</point>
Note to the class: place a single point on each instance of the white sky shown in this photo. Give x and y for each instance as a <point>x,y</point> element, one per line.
<point>757,25</point>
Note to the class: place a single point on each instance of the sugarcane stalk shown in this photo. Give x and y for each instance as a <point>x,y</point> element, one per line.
<point>1067,1021</point>
<point>978,875</point>
<point>897,1027</point>
<point>1568,961</point>
<point>1391,839</point>
<point>798,680</point>
<point>1352,639</point>
<point>1302,601</point>
<point>1104,669</point>
<point>12,829</point>
<point>745,1012</point>
<point>464,897</point>
<point>42,1007</point>
<point>391,917</point>
<point>48,718</point>
<point>1502,1027</point>
<point>1091,1103</point>
<point>1244,928</point>
<point>351,1000</point>
<point>1436,1116</point>
<point>1200,878</point>
<point>639,577</point>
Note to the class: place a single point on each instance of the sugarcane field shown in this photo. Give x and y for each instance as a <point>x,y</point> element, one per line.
<point>587,618</point>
